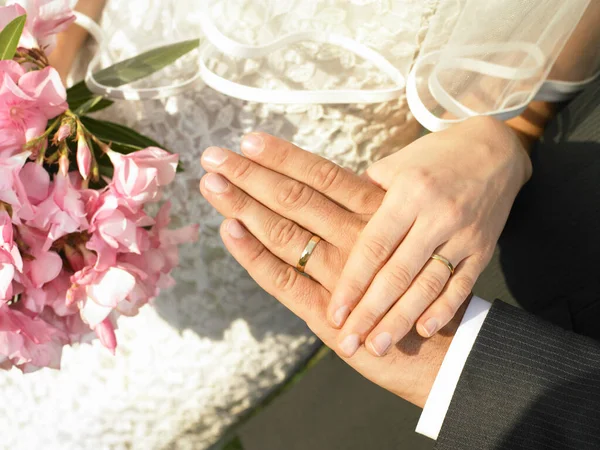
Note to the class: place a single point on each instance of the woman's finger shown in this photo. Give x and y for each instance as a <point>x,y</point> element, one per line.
<point>340,185</point>
<point>304,297</point>
<point>376,243</point>
<point>400,319</point>
<point>403,275</point>
<point>424,290</point>
<point>456,292</point>
<point>286,196</point>
<point>279,235</point>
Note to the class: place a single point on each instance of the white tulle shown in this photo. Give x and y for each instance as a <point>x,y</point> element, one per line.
<point>476,57</point>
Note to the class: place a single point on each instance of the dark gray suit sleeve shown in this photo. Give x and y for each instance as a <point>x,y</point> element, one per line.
<point>526,384</point>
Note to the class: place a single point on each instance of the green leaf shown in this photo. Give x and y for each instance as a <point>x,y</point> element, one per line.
<point>121,139</point>
<point>130,70</point>
<point>9,37</point>
<point>93,104</point>
<point>126,139</point>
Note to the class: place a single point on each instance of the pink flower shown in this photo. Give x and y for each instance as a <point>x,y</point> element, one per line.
<point>115,227</point>
<point>97,293</point>
<point>45,18</point>
<point>84,157</point>
<point>27,102</point>
<point>29,343</point>
<point>42,265</point>
<point>36,182</point>
<point>63,212</point>
<point>139,175</point>
<point>12,190</point>
<point>157,262</point>
<point>10,257</point>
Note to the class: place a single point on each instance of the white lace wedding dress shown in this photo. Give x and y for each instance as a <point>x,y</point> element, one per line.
<point>215,345</point>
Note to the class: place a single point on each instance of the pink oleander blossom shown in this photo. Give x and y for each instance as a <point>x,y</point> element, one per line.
<point>138,176</point>
<point>45,18</point>
<point>12,190</point>
<point>27,102</point>
<point>29,342</point>
<point>63,212</point>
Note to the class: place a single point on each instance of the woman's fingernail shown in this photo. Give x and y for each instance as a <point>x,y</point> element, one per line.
<point>349,345</point>
<point>252,144</point>
<point>340,315</point>
<point>214,156</point>
<point>430,326</point>
<point>235,229</point>
<point>381,343</point>
<point>216,183</point>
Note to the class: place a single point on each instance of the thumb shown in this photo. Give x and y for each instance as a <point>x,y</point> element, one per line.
<point>383,172</point>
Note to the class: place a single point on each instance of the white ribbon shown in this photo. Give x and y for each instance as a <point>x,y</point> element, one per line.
<point>459,58</point>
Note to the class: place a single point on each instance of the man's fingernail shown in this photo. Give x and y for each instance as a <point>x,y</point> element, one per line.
<point>381,343</point>
<point>430,326</point>
<point>340,315</point>
<point>235,229</point>
<point>216,183</point>
<point>214,156</point>
<point>252,144</point>
<point>349,345</point>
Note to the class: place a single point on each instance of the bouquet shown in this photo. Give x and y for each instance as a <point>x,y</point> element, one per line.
<point>77,247</point>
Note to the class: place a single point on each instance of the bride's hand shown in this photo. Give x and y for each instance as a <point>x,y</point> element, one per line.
<point>275,204</point>
<point>449,194</point>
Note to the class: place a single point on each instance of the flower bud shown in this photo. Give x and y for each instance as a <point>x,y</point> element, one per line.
<point>84,157</point>
<point>63,132</point>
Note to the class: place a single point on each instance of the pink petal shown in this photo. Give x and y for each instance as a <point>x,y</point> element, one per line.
<point>46,86</point>
<point>111,287</point>
<point>45,267</point>
<point>36,181</point>
<point>92,313</point>
<point>7,273</point>
<point>106,333</point>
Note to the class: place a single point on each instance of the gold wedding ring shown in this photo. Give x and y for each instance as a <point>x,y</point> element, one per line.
<point>307,252</point>
<point>445,261</point>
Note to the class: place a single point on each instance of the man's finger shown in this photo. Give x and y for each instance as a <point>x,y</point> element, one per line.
<point>303,296</point>
<point>281,236</point>
<point>284,195</point>
<point>340,185</point>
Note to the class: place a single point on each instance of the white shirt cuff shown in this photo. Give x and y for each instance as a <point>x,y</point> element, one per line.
<point>436,407</point>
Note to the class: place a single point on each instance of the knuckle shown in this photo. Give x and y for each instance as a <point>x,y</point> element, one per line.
<point>422,182</point>
<point>375,250</point>
<point>293,194</point>
<point>326,175</point>
<point>463,284</point>
<point>257,254</point>
<point>282,231</point>
<point>285,278</point>
<point>402,323</point>
<point>239,202</point>
<point>398,278</point>
<point>454,212</point>
<point>446,311</point>
<point>367,201</point>
<point>366,320</point>
<point>243,169</point>
<point>430,285</point>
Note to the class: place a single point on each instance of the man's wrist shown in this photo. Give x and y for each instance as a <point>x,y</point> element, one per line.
<point>432,352</point>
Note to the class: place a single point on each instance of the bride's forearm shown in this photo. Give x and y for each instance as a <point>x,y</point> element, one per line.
<point>70,42</point>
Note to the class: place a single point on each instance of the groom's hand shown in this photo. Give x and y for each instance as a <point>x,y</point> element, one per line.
<point>276,198</point>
